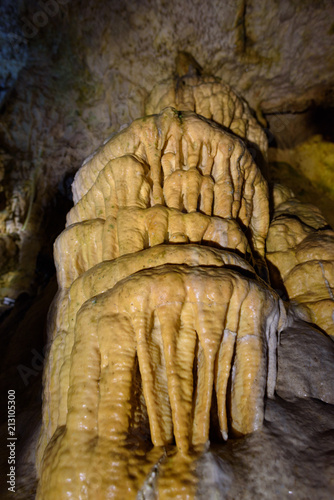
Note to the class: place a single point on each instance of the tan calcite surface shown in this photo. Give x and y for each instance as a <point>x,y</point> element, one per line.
<point>134,230</point>
<point>169,320</point>
<point>182,161</point>
<point>161,331</point>
<point>300,250</point>
<point>98,280</point>
<point>211,98</point>
<point>160,321</point>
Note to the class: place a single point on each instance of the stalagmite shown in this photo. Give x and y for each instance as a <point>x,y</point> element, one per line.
<point>161,320</point>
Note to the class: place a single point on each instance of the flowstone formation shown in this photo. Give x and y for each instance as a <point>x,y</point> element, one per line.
<point>163,334</point>
<point>300,252</point>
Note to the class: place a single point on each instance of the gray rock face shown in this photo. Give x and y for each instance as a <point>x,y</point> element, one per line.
<point>305,364</point>
<point>291,457</point>
<point>13,48</point>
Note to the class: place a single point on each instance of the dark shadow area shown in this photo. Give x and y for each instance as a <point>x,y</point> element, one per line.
<point>287,130</point>
<point>23,339</point>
